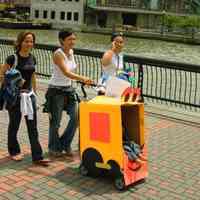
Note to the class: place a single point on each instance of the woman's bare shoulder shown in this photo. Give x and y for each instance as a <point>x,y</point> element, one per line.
<point>108,55</point>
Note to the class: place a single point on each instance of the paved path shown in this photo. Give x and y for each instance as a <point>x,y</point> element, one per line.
<point>174,166</point>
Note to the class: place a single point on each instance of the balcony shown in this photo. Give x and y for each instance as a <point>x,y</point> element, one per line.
<point>142,5</point>
<point>117,3</point>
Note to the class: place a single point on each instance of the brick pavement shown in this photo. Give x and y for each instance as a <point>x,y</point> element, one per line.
<point>174,172</point>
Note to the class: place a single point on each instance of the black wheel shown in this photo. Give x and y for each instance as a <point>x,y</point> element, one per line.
<point>115,169</point>
<point>89,159</point>
<point>83,170</point>
<point>119,183</point>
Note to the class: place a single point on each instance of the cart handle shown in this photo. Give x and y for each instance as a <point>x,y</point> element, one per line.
<point>83,88</point>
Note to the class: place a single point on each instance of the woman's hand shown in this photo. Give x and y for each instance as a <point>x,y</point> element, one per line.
<point>88,81</point>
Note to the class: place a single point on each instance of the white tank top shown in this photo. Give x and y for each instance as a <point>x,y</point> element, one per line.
<point>115,65</point>
<point>58,78</point>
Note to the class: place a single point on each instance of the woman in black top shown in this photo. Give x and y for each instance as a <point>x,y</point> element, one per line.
<point>25,62</point>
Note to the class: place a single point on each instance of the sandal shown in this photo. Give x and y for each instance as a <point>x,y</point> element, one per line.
<point>68,152</point>
<point>18,157</point>
<point>42,163</point>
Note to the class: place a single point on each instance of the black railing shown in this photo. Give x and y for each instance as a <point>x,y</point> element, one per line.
<point>160,81</point>
<point>172,82</point>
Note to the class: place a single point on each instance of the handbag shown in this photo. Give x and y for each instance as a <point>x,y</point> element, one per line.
<point>10,90</point>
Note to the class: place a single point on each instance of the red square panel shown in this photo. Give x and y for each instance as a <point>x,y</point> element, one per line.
<point>100,127</point>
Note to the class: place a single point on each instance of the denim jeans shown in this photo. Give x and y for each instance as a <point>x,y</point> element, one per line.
<point>13,127</point>
<point>59,143</point>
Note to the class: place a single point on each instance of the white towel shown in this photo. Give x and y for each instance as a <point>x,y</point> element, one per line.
<point>26,105</point>
<point>115,87</point>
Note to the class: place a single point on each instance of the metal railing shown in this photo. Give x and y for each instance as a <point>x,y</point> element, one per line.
<point>173,83</point>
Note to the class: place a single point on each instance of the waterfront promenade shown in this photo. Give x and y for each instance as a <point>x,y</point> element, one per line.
<point>173,154</point>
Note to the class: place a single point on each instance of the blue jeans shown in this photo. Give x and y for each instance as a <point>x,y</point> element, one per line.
<point>13,127</point>
<point>57,103</point>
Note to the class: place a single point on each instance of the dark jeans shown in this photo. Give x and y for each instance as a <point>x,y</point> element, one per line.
<point>59,143</point>
<point>13,127</point>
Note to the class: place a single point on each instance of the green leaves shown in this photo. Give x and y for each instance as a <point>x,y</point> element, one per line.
<point>173,21</point>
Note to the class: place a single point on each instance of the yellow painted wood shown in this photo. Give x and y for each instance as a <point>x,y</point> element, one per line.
<point>131,112</point>
<point>109,151</point>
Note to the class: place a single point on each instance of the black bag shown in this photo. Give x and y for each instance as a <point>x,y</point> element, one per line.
<point>10,90</point>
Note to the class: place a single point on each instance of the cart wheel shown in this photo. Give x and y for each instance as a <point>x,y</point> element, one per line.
<point>115,169</point>
<point>83,170</point>
<point>89,158</point>
<point>119,183</point>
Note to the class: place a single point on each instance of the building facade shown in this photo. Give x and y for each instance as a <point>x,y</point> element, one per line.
<point>133,13</point>
<point>22,6</point>
<point>6,4</point>
<point>22,3</point>
<point>61,13</point>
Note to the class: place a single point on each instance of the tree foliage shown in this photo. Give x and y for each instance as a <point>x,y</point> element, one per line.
<point>174,21</point>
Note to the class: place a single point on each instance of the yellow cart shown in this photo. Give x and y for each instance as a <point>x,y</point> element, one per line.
<point>101,142</point>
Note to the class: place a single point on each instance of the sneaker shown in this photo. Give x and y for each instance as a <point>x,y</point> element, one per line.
<point>18,157</point>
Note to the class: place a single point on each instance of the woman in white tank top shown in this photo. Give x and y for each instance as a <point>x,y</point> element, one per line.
<point>112,60</point>
<point>61,95</point>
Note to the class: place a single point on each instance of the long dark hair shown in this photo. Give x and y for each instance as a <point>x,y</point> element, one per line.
<point>21,37</point>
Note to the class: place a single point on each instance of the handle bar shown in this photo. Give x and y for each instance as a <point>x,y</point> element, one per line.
<point>83,88</point>
<point>92,84</point>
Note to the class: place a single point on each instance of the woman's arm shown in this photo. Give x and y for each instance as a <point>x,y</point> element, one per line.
<point>107,58</point>
<point>3,69</point>
<point>33,80</point>
<point>58,59</point>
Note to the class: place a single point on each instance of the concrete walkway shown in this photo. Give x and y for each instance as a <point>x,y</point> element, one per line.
<point>174,165</point>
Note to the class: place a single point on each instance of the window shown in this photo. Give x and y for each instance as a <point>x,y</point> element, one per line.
<point>53,14</point>
<point>45,14</point>
<point>76,16</point>
<point>69,16</point>
<point>36,13</point>
<point>62,15</point>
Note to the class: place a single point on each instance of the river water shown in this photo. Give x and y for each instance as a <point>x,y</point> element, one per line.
<point>134,46</point>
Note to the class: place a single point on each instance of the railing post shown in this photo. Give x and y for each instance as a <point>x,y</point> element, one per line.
<point>140,81</point>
